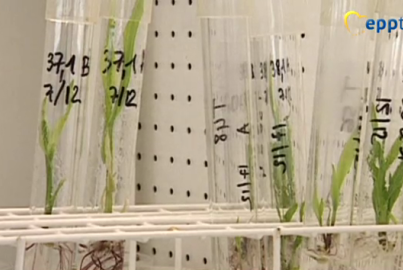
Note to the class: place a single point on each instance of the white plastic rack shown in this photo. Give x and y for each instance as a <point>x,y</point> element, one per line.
<point>19,227</point>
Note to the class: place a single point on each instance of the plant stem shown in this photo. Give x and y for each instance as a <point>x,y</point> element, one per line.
<point>49,186</point>
<point>110,185</point>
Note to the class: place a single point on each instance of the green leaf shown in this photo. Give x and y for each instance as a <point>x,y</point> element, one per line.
<point>394,219</point>
<point>393,153</point>
<point>290,213</point>
<point>395,187</point>
<point>379,192</point>
<point>62,122</point>
<point>318,208</point>
<point>112,111</point>
<point>57,191</point>
<point>45,131</point>
<point>346,162</point>
<point>130,36</point>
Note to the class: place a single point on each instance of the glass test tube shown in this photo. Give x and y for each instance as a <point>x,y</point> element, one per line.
<point>225,37</point>
<point>119,78</point>
<point>381,179</point>
<point>335,135</point>
<point>280,112</point>
<point>122,35</point>
<point>64,116</point>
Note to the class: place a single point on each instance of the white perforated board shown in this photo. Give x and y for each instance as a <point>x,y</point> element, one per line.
<point>171,149</point>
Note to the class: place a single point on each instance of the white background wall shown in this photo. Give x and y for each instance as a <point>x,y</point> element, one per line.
<point>22,29</point>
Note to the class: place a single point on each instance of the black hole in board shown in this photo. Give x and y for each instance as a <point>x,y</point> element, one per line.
<point>188,193</point>
<point>205,164</point>
<point>156,33</point>
<point>172,129</point>
<point>303,70</point>
<point>173,65</point>
<point>155,127</point>
<point>170,254</point>
<point>205,260</point>
<point>171,159</point>
<point>190,66</point>
<point>187,257</point>
<point>139,125</point>
<point>154,251</point>
<point>138,187</point>
<point>155,96</point>
<point>190,2</point>
<point>173,34</point>
<point>156,2</point>
<point>173,2</point>
<point>205,196</point>
<point>155,189</point>
<point>190,34</point>
<point>189,130</point>
<point>139,156</point>
<point>188,161</point>
<point>156,65</point>
<point>189,98</point>
<point>303,35</point>
<point>172,97</point>
<point>155,158</point>
<point>171,191</point>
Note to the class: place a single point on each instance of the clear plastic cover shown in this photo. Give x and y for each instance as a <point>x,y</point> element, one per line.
<point>62,140</point>
<point>111,170</point>
<point>230,132</point>
<point>280,114</point>
<point>76,11</point>
<point>381,180</point>
<point>335,136</point>
<point>119,79</point>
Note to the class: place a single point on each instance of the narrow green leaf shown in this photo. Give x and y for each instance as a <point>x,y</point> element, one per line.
<point>130,36</point>
<point>395,187</point>
<point>109,76</point>
<point>318,208</point>
<point>321,208</point>
<point>379,192</point>
<point>290,168</point>
<point>393,153</point>
<point>45,131</point>
<point>393,219</point>
<point>340,174</point>
<point>290,213</point>
<point>57,191</point>
<point>346,160</point>
<point>62,122</point>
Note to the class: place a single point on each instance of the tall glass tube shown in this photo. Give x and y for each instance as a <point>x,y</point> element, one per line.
<point>120,52</point>
<point>119,77</point>
<point>230,132</point>
<point>335,136</point>
<point>64,117</point>
<point>381,181</point>
<point>280,112</point>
